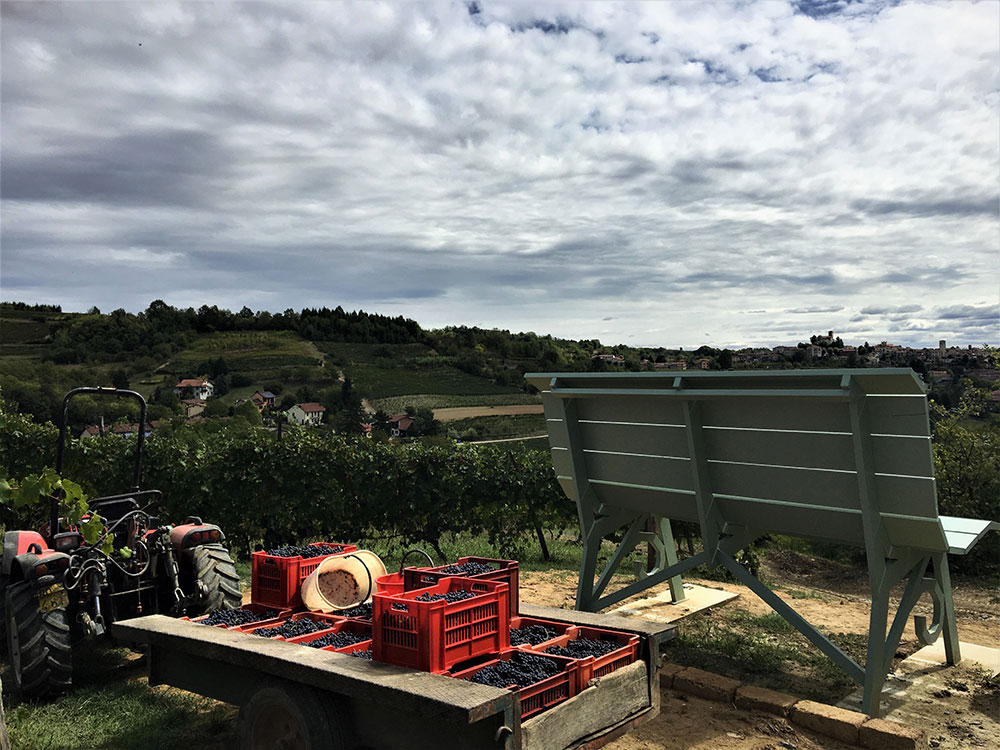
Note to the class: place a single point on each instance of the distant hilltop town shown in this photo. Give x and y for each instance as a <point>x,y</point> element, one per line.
<point>828,350</point>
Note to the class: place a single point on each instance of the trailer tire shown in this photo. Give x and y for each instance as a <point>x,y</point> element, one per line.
<point>216,578</point>
<point>290,716</point>
<point>38,644</point>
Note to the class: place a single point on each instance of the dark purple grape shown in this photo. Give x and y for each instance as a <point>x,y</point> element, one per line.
<point>583,647</point>
<point>233,618</point>
<point>468,569</point>
<point>521,670</point>
<point>339,640</point>
<point>311,550</point>
<point>531,635</point>
<point>361,612</point>
<point>450,597</point>
<point>293,628</point>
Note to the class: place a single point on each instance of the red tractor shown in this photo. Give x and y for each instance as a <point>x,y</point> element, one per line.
<point>58,590</point>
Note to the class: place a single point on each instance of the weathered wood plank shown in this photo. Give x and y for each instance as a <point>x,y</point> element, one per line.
<point>601,620</point>
<point>606,702</point>
<point>419,692</point>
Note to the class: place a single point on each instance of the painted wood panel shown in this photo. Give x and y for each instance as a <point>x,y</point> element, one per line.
<point>803,449</point>
<point>898,415</point>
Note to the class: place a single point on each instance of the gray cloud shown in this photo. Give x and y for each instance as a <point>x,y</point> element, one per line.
<point>812,310</point>
<point>632,169</point>
<point>886,309</point>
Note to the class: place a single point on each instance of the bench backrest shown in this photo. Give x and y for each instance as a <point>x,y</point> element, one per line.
<point>810,453</point>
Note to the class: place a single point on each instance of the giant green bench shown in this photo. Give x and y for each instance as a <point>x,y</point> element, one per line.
<point>835,455</point>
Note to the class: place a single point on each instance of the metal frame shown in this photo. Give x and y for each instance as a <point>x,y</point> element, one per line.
<point>887,565</point>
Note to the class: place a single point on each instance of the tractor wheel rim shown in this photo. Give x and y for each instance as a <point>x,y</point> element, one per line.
<point>277,728</point>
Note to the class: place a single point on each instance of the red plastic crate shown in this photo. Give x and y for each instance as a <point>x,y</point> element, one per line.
<point>344,626</point>
<point>596,666</point>
<point>275,581</point>
<point>255,608</point>
<point>560,628</point>
<point>416,578</point>
<point>433,636</point>
<point>360,646</point>
<point>542,695</point>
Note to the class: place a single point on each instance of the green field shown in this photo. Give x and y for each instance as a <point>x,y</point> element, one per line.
<point>397,404</point>
<point>384,383</point>
<point>499,426</point>
<point>21,330</point>
<point>263,355</point>
<point>370,353</point>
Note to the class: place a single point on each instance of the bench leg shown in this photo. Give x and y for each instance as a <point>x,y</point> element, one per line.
<point>669,559</point>
<point>952,651</point>
<point>875,670</point>
<point>943,622</point>
<point>588,567</point>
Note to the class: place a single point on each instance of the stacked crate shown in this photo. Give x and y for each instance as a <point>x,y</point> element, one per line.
<point>455,625</point>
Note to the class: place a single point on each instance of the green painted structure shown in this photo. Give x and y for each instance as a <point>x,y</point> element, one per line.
<point>834,455</point>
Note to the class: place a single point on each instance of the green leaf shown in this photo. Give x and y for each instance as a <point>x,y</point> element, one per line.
<point>91,529</point>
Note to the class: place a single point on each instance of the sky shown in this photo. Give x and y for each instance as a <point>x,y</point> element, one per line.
<point>653,174</point>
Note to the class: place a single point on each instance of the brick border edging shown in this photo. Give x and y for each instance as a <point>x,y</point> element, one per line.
<point>839,723</point>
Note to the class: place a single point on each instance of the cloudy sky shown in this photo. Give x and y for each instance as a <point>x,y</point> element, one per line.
<point>673,173</point>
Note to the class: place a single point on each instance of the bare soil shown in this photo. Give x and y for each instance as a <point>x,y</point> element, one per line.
<point>957,707</point>
<point>467,412</point>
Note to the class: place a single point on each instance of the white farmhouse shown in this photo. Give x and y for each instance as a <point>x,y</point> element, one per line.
<point>194,388</point>
<point>310,413</point>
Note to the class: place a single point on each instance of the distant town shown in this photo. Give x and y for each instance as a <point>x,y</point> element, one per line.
<point>829,350</point>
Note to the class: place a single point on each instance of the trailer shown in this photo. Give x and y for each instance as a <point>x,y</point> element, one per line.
<point>299,698</point>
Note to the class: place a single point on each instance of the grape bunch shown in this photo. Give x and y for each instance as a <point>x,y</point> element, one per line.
<point>451,597</point>
<point>521,670</point>
<point>233,618</point>
<point>292,628</point>
<point>361,612</point>
<point>314,550</point>
<point>531,635</point>
<point>339,640</point>
<point>363,654</point>
<point>582,648</point>
<point>468,569</point>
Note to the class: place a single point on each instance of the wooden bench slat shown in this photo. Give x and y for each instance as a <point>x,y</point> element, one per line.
<point>815,450</point>
<point>898,415</point>
<point>777,414</point>
<point>809,522</point>
<point>669,473</point>
<point>915,533</point>
<point>627,409</point>
<point>801,486</point>
<point>675,505</point>
<point>895,454</point>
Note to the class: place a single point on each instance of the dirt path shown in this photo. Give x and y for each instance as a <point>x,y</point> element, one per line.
<point>955,717</point>
<point>467,412</point>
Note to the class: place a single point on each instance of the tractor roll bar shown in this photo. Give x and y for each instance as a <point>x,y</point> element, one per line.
<point>63,426</point>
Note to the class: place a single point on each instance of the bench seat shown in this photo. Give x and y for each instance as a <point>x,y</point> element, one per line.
<point>963,533</point>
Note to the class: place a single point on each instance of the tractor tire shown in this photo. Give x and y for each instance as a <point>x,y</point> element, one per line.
<point>3,618</point>
<point>38,644</point>
<point>216,578</point>
<point>292,717</point>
